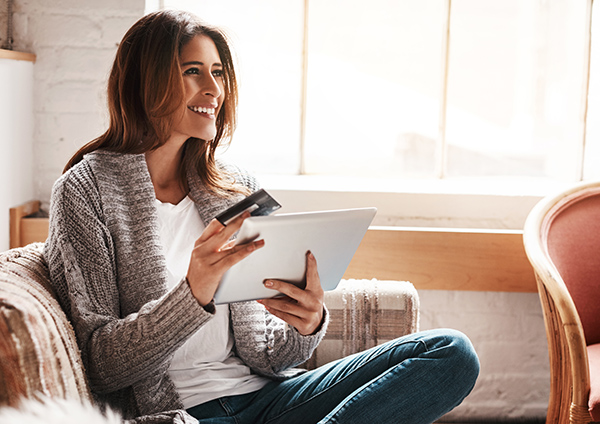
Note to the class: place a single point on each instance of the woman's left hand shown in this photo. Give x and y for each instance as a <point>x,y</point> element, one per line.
<point>301,308</point>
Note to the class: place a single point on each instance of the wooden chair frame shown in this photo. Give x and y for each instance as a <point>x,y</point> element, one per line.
<point>569,372</point>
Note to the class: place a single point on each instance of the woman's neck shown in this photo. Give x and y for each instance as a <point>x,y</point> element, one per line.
<point>164,165</point>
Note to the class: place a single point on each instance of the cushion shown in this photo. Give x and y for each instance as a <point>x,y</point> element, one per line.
<point>38,351</point>
<point>366,313</point>
<point>574,246</point>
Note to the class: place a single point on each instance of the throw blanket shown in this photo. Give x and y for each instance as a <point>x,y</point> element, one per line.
<point>37,344</point>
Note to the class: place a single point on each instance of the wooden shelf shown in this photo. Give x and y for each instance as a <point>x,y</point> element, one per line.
<point>13,55</point>
<point>445,259</point>
<point>431,259</point>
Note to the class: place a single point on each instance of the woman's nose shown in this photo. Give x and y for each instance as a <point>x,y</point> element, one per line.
<point>211,87</point>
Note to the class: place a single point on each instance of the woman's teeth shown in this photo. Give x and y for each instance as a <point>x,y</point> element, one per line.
<point>208,110</point>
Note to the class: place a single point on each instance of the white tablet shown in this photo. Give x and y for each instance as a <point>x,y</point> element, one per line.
<point>332,236</point>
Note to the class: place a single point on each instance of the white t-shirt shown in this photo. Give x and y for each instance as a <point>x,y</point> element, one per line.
<point>205,367</point>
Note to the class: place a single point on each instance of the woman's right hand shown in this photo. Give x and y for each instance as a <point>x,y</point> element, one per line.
<point>213,254</point>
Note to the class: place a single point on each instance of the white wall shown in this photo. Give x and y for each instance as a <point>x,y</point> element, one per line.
<point>16,131</point>
<point>507,330</point>
<point>75,42</point>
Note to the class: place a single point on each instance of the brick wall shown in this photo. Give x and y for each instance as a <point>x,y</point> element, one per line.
<point>75,42</point>
<point>507,330</point>
<point>3,23</point>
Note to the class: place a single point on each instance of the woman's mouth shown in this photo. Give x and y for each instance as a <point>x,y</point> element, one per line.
<point>200,109</point>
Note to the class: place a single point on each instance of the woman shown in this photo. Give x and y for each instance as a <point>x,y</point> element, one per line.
<point>135,257</point>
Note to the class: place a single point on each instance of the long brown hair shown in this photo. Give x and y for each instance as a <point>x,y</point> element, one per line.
<point>145,88</point>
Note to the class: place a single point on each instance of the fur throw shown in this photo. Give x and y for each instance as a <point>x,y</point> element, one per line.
<point>57,411</point>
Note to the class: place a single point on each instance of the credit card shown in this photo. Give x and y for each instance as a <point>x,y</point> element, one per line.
<point>259,203</point>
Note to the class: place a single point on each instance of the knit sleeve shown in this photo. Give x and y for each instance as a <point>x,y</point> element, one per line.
<point>117,351</point>
<point>266,343</point>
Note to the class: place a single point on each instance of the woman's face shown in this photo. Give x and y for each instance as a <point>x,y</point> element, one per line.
<point>204,90</point>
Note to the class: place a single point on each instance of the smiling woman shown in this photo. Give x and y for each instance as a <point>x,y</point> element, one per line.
<point>136,256</point>
<point>144,123</point>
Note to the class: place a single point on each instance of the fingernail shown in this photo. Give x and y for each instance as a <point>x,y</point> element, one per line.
<point>268,283</point>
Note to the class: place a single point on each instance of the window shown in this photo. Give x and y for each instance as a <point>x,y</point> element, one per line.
<point>413,89</point>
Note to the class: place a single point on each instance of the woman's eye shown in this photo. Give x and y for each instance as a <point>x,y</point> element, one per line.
<point>217,73</point>
<point>192,71</point>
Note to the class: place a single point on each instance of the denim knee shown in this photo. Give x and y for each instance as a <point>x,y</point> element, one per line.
<point>461,357</point>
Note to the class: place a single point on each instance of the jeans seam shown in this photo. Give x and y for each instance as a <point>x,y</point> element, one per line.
<point>348,375</point>
<point>230,413</point>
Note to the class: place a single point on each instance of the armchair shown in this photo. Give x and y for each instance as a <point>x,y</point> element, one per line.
<point>562,242</point>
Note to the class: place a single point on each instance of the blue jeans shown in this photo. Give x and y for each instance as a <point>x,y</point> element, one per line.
<point>414,379</point>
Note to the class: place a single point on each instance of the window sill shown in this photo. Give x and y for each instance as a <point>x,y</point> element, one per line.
<point>488,203</point>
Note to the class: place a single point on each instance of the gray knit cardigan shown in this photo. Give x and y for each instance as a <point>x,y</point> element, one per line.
<point>109,273</point>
